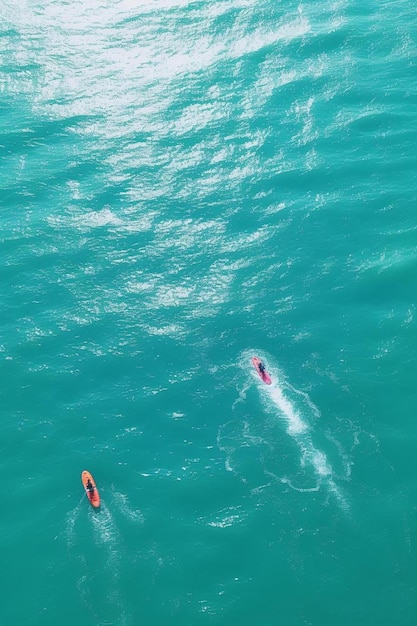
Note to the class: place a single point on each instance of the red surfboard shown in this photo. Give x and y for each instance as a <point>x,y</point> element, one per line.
<point>263,374</point>
<point>94,495</point>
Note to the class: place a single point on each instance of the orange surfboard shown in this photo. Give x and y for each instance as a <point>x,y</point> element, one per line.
<point>94,495</point>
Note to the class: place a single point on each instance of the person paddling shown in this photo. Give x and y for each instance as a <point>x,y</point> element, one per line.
<point>90,486</point>
<point>261,367</point>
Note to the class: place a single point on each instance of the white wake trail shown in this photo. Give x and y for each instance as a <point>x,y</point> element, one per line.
<point>277,397</point>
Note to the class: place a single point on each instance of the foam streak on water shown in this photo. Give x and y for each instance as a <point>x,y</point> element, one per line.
<point>299,426</point>
<point>96,554</point>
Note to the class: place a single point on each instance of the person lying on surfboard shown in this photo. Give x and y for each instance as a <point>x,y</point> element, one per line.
<point>90,486</point>
<point>261,369</point>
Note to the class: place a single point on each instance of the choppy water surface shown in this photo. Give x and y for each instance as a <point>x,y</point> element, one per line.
<point>186,185</point>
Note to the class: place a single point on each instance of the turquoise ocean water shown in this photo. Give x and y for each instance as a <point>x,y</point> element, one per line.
<point>185,185</point>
